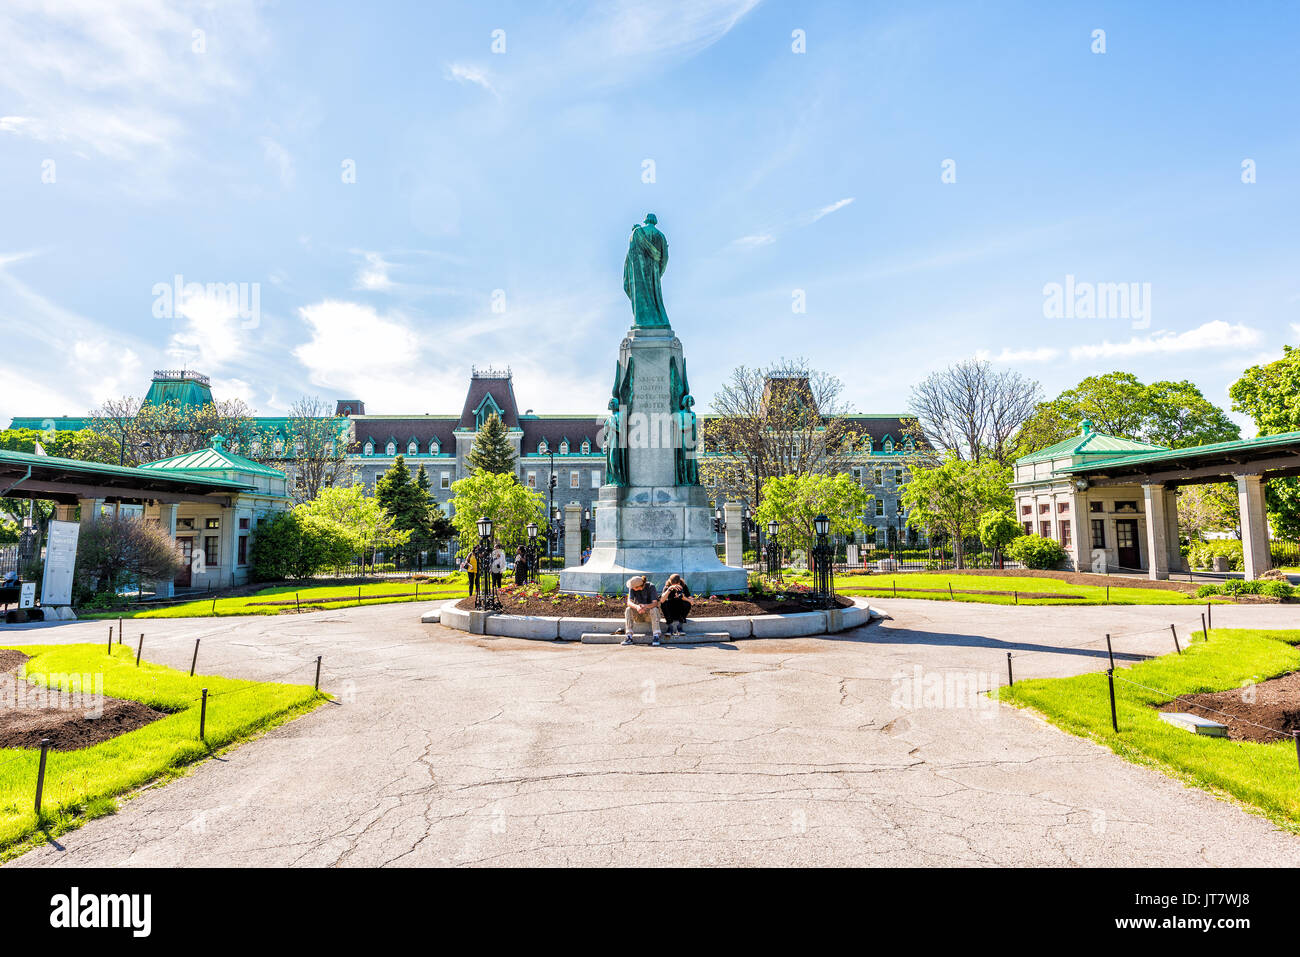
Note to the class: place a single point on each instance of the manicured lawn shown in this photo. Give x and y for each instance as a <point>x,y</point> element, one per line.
<point>935,586</point>
<point>81,784</point>
<point>343,596</point>
<point>1262,776</point>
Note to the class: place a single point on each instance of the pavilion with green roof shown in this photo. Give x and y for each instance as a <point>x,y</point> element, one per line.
<point>1111,502</point>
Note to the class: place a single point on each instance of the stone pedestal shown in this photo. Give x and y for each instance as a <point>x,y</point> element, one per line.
<point>734,549</point>
<point>572,534</point>
<point>1254,526</point>
<point>653,526</point>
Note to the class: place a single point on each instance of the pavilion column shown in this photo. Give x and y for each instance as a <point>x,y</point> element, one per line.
<point>65,513</point>
<point>1254,525</point>
<point>1157,509</point>
<point>733,552</point>
<point>1176,562</point>
<point>572,535</point>
<point>90,509</point>
<point>1080,551</point>
<point>167,521</point>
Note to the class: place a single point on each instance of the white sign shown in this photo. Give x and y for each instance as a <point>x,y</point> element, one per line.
<point>27,595</point>
<point>60,560</point>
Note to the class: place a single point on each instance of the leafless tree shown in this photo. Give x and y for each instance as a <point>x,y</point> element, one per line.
<point>973,410</point>
<point>145,431</point>
<point>315,448</point>
<point>783,419</point>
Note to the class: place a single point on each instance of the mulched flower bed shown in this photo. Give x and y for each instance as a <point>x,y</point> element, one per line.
<point>588,606</point>
<point>1276,705</point>
<point>23,723</point>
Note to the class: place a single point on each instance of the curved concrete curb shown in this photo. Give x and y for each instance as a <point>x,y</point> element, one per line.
<point>547,628</point>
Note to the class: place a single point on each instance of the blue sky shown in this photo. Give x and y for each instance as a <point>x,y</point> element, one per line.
<point>494,192</point>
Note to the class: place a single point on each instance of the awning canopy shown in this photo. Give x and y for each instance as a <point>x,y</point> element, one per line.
<point>24,475</point>
<point>1269,456</point>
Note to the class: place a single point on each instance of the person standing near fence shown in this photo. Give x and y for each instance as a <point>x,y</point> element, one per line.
<point>498,565</point>
<point>471,569</point>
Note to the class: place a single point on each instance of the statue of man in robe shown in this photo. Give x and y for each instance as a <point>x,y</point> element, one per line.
<point>647,258</point>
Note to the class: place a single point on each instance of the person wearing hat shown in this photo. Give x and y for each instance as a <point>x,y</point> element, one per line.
<point>642,605</point>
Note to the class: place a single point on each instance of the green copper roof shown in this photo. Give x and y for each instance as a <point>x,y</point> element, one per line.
<point>189,390</point>
<point>60,423</point>
<point>144,473</point>
<point>1263,442</point>
<point>214,459</point>
<point>1090,443</point>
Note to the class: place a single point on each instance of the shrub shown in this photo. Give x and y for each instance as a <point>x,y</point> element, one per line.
<point>1276,589</point>
<point>1202,554</point>
<point>1205,591</point>
<point>1035,551</point>
<point>124,549</point>
<point>294,545</point>
<point>1239,586</point>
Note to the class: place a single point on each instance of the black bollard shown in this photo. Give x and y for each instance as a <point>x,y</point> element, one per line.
<point>40,773</point>
<point>139,650</point>
<point>195,660</point>
<point>203,714</point>
<point>1175,634</point>
<point>1114,719</point>
<point>1110,653</point>
<point>1205,631</point>
<point>1011,681</point>
<point>318,657</point>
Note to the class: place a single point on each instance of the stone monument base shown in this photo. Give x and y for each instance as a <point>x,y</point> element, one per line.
<point>653,531</point>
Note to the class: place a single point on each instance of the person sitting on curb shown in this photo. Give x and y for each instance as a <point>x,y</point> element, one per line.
<point>676,603</point>
<point>642,605</point>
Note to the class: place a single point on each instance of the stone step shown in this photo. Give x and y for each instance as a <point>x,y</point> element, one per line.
<point>691,638</point>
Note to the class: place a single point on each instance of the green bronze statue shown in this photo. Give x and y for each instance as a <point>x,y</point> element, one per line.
<point>647,258</point>
<point>687,444</point>
<point>614,438</point>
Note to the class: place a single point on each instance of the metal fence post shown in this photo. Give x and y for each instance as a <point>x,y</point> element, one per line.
<point>318,658</point>
<point>139,649</point>
<point>1011,681</point>
<point>40,773</point>
<point>1114,718</point>
<point>1110,653</point>
<point>1177,647</point>
<point>203,714</point>
<point>195,660</point>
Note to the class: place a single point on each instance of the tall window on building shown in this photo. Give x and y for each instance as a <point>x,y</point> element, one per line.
<point>1066,540</point>
<point>898,476</point>
<point>210,554</point>
<point>595,478</point>
<point>880,506</point>
<point>857,476</point>
<point>532,480</point>
<point>1045,529</point>
<point>575,479</point>
<point>1098,533</point>
<point>879,476</point>
<point>446,480</point>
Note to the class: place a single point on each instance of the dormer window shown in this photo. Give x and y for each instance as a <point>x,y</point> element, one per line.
<point>279,446</point>
<point>256,447</point>
<point>564,447</point>
<point>434,447</point>
<point>889,445</point>
<point>391,448</point>
<point>542,447</point>
<point>586,446</point>
<point>412,449</point>
<point>370,448</point>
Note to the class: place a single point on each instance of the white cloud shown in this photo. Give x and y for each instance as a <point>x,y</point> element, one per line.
<point>373,275</point>
<point>210,328</point>
<point>1295,327</point>
<point>1217,334</point>
<point>755,240</point>
<point>279,157</point>
<point>120,80</point>
<point>1044,354</point>
<point>467,73</point>
<point>833,207</point>
<point>356,351</point>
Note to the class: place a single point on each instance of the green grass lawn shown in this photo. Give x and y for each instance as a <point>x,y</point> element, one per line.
<point>345,596</point>
<point>82,784</point>
<point>1264,777</point>
<point>934,586</point>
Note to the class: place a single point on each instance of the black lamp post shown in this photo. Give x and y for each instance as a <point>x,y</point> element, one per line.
<point>823,593</point>
<point>530,555</point>
<point>485,598</point>
<point>555,534</point>
<point>773,550</point>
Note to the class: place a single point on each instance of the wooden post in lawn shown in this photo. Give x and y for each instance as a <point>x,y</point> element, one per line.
<point>195,660</point>
<point>1108,594</point>
<point>950,594</point>
<point>40,772</point>
<point>119,632</point>
<point>296,603</point>
<point>139,650</point>
<point>318,658</point>
<point>1209,612</point>
<point>1204,630</point>
<point>1177,647</point>
<point>110,639</point>
<point>1114,718</point>
<point>203,714</point>
<point>1110,653</point>
<point>1011,681</point>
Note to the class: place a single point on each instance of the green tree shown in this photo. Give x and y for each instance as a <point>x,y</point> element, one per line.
<point>492,451</point>
<point>952,496</point>
<point>1174,414</point>
<point>795,500</point>
<point>407,500</point>
<point>1208,508</point>
<point>361,517</point>
<point>998,528</point>
<point>81,444</point>
<point>1270,394</point>
<point>498,496</point>
<point>297,545</point>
